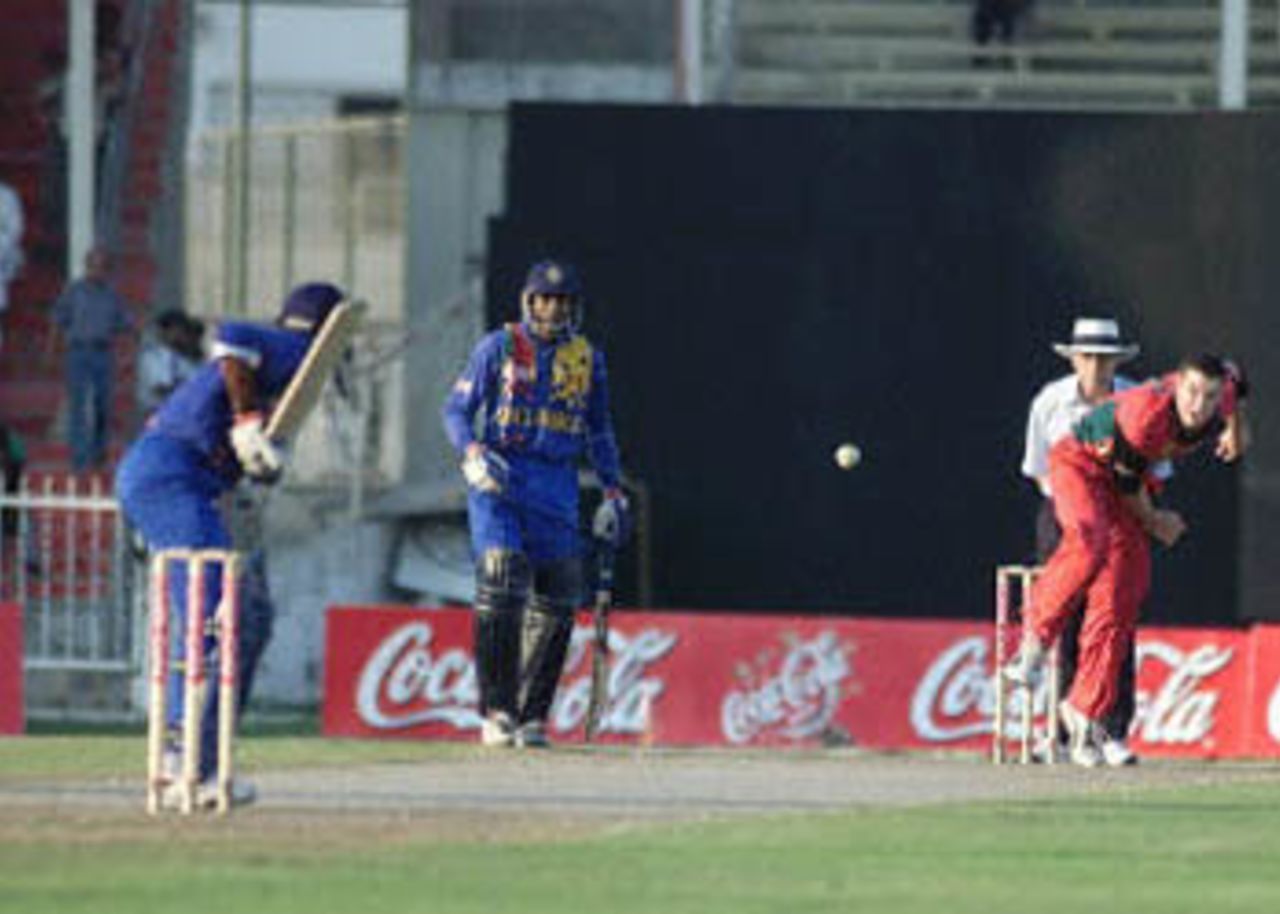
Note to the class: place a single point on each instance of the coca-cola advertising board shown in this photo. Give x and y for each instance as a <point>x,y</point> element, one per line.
<point>399,672</point>
<point>1192,692</point>
<point>1263,718</point>
<point>11,712</point>
<point>738,680</point>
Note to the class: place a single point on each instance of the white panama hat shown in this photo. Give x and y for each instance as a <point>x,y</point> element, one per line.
<point>1096,336</point>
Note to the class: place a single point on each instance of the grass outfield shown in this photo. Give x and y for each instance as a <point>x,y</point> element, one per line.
<point>122,755</point>
<point>1207,849</point>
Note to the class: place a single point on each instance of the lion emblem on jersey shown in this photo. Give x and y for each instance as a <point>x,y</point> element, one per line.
<point>571,373</point>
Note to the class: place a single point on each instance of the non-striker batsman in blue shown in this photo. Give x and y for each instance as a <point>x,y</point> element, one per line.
<point>531,401</point>
<point>206,437</point>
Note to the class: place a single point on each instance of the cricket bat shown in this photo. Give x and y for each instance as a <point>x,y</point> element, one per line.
<point>303,392</point>
<point>600,645</point>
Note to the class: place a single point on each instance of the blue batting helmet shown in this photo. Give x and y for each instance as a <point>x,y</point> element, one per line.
<point>307,306</point>
<point>554,277</point>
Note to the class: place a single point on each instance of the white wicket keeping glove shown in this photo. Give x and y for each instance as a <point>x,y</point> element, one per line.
<point>260,458</point>
<point>484,470</point>
<point>612,521</point>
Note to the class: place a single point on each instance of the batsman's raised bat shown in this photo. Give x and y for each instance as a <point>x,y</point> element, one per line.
<point>303,392</point>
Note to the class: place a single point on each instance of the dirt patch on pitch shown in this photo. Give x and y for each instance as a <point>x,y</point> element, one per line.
<point>489,796</point>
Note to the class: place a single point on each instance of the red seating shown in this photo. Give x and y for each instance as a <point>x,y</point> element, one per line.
<point>31,388</point>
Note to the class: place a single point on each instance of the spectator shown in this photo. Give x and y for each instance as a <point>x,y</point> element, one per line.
<point>13,460</point>
<point>109,93</point>
<point>996,19</point>
<point>87,316</point>
<point>106,32</point>
<point>53,162</point>
<point>191,340</point>
<point>11,225</point>
<point>111,62</point>
<point>168,359</point>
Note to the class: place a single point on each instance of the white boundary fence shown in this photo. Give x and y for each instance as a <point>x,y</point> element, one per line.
<point>65,561</point>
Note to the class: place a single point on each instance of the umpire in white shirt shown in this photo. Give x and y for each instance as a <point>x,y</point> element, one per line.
<point>1096,350</point>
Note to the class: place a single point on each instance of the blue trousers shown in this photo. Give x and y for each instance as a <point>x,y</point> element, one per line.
<point>88,403</point>
<point>169,495</point>
<point>536,514</point>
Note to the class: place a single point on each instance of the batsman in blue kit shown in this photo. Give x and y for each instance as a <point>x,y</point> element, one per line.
<point>206,437</point>
<point>532,399</point>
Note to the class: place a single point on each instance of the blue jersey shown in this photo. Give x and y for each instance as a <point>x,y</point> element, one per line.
<point>198,413</point>
<point>546,400</point>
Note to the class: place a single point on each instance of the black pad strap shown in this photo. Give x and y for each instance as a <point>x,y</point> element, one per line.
<point>1126,459</point>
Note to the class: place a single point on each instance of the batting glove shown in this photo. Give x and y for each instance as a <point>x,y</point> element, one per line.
<point>260,458</point>
<point>484,470</point>
<point>612,522</point>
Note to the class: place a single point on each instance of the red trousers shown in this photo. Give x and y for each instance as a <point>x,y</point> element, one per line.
<point>1104,555</point>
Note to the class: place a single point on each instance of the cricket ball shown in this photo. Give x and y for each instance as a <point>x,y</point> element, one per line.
<point>848,456</point>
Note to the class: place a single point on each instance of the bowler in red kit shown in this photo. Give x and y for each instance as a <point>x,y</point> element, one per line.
<point>1102,484</point>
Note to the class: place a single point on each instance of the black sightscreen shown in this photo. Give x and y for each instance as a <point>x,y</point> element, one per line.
<point>769,283</point>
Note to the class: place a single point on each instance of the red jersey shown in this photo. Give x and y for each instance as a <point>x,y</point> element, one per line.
<point>1139,427</point>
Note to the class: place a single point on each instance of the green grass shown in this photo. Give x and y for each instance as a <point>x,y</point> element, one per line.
<point>1207,849</point>
<point>121,754</point>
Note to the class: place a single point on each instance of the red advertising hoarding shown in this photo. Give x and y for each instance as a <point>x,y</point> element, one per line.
<point>1193,692</point>
<point>1262,719</point>
<point>11,713</point>
<point>737,680</point>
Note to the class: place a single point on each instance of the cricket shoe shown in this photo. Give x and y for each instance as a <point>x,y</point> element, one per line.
<point>532,735</point>
<point>1048,751</point>
<point>497,730</point>
<point>242,793</point>
<point>1117,754</point>
<point>1082,737</point>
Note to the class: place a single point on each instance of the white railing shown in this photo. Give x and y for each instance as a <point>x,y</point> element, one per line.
<point>64,558</point>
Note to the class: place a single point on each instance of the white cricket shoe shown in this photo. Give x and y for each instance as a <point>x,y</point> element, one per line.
<point>532,735</point>
<point>1082,733</point>
<point>1116,753</point>
<point>243,793</point>
<point>497,730</point>
<point>1048,751</point>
